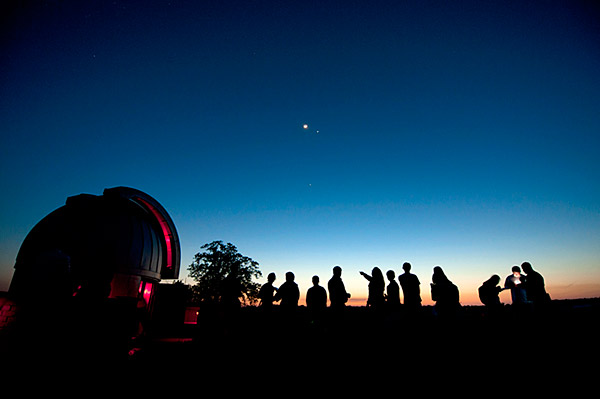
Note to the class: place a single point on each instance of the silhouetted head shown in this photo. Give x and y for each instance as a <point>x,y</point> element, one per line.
<point>289,276</point>
<point>271,277</point>
<point>315,280</point>
<point>438,275</point>
<point>494,280</point>
<point>390,275</point>
<point>377,273</point>
<point>516,269</point>
<point>406,267</point>
<point>526,267</point>
<point>337,271</point>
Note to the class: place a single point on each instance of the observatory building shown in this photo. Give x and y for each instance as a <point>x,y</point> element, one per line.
<point>97,247</point>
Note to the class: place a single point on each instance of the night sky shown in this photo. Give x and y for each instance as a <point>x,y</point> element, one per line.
<point>464,134</point>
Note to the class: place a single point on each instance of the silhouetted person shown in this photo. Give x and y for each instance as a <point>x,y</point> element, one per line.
<point>231,293</point>
<point>337,291</point>
<point>515,282</point>
<point>445,294</point>
<point>535,286</point>
<point>288,293</point>
<point>410,287</point>
<point>393,291</point>
<point>230,305</point>
<point>316,300</point>
<point>376,288</point>
<point>267,293</point>
<point>489,295</point>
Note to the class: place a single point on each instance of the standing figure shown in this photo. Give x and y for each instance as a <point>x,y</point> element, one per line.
<point>231,292</point>
<point>266,293</point>
<point>289,294</point>
<point>316,300</point>
<point>376,288</point>
<point>514,282</point>
<point>535,287</point>
<point>393,292</point>
<point>410,287</point>
<point>337,291</point>
<point>445,294</point>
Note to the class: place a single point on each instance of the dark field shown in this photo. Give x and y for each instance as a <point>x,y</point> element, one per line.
<point>564,335</point>
<point>562,340</point>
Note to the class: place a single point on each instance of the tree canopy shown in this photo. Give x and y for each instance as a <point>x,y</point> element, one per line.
<point>224,275</point>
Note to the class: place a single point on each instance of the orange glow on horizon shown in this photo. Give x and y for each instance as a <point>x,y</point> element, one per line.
<point>470,297</point>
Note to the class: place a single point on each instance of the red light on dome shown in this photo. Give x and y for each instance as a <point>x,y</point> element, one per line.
<point>165,230</point>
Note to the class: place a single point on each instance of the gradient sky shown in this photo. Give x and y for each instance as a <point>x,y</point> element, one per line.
<point>464,134</point>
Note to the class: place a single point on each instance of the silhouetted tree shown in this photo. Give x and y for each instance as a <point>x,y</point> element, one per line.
<point>224,275</point>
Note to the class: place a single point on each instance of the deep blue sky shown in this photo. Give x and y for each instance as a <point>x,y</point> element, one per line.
<point>458,133</point>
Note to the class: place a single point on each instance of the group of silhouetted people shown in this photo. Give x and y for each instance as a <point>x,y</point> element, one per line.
<point>288,293</point>
<point>527,290</point>
<point>381,297</point>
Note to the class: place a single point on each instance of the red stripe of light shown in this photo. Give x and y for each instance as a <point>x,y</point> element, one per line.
<point>165,230</point>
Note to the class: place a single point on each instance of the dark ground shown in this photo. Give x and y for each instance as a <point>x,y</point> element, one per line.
<point>559,345</point>
<point>563,336</point>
